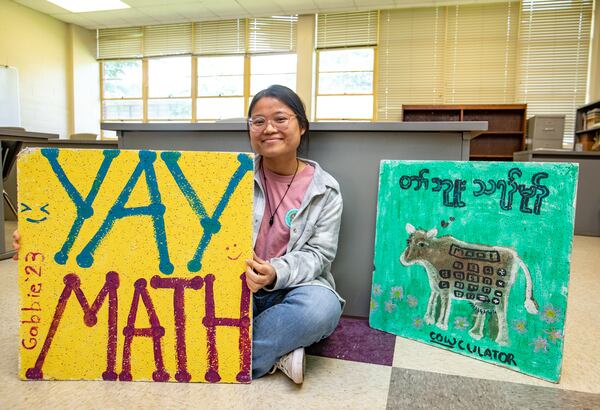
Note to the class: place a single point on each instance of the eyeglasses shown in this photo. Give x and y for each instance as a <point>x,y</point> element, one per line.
<point>280,121</point>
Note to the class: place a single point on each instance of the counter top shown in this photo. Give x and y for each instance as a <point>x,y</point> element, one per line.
<point>24,136</point>
<point>426,126</point>
<point>559,152</point>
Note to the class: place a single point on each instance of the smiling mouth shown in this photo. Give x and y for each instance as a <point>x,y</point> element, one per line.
<point>234,259</point>
<point>36,221</point>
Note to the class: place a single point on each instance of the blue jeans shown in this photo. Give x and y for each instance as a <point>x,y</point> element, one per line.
<point>287,319</point>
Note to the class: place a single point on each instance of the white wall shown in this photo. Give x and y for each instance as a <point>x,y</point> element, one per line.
<point>85,113</point>
<point>58,73</point>
<point>36,45</point>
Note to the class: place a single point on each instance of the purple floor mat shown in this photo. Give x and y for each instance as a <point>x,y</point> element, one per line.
<point>354,340</point>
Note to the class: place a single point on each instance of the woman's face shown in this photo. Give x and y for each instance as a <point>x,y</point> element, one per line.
<point>274,130</point>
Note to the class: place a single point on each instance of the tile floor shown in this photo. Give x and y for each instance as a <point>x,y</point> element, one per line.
<point>356,368</point>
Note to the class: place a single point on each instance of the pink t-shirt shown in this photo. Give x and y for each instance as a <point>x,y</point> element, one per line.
<point>272,241</point>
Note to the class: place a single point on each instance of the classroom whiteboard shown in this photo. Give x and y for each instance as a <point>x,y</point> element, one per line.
<point>10,113</point>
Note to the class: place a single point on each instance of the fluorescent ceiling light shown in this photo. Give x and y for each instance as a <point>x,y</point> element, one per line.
<point>79,6</point>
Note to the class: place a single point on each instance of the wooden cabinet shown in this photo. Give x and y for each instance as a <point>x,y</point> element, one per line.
<point>587,127</point>
<point>506,126</point>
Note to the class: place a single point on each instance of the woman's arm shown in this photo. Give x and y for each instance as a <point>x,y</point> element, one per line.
<point>315,256</point>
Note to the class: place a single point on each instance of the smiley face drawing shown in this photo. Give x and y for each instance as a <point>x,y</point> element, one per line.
<point>231,250</point>
<point>32,212</point>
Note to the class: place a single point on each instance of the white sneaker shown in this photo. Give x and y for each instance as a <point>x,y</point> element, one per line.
<point>292,364</point>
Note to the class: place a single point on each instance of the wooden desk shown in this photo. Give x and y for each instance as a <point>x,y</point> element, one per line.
<point>351,152</point>
<point>25,136</point>
<point>587,213</point>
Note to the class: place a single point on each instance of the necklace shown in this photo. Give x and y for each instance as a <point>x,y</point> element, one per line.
<point>272,215</point>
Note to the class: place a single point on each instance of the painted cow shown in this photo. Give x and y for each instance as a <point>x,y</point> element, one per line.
<point>480,274</point>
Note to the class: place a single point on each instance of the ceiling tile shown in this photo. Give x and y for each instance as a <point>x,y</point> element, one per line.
<point>299,10</point>
<point>194,11</point>
<point>110,18</point>
<point>144,3</point>
<point>261,7</point>
<point>42,6</point>
<point>124,18</point>
<point>76,18</point>
<point>297,7</point>
<point>228,8</point>
<point>335,5</point>
<point>141,19</point>
<point>159,12</point>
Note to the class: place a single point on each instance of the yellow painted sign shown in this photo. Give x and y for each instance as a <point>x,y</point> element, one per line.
<point>132,265</point>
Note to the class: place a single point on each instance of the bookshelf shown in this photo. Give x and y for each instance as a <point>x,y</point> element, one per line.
<point>506,126</point>
<point>587,127</point>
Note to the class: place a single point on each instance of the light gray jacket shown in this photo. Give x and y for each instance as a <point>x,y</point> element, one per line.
<point>313,233</point>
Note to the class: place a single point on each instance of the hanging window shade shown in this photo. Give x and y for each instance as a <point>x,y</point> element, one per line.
<point>265,35</point>
<point>272,34</point>
<point>411,59</point>
<point>357,29</point>
<point>220,37</point>
<point>481,51</point>
<point>447,54</point>
<point>116,43</point>
<point>555,41</point>
<point>167,39</point>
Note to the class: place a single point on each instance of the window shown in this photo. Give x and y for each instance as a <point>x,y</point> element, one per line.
<point>170,88</point>
<point>220,87</point>
<point>122,90</point>
<point>345,84</point>
<point>218,67</point>
<point>269,69</point>
<point>346,48</point>
<point>272,46</point>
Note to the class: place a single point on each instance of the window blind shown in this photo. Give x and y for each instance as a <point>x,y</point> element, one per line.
<point>481,51</point>
<point>410,59</point>
<point>356,29</point>
<point>554,49</point>
<point>446,54</point>
<point>275,34</point>
<point>220,37</point>
<point>115,43</point>
<point>167,39</point>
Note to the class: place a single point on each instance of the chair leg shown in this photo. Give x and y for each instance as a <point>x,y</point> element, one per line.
<point>10,204</point>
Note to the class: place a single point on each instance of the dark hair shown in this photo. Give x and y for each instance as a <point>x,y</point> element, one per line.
<point>292,100</point>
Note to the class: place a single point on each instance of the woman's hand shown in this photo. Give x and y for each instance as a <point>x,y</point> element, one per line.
<point>16,244</point>
<point>259,274</point>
